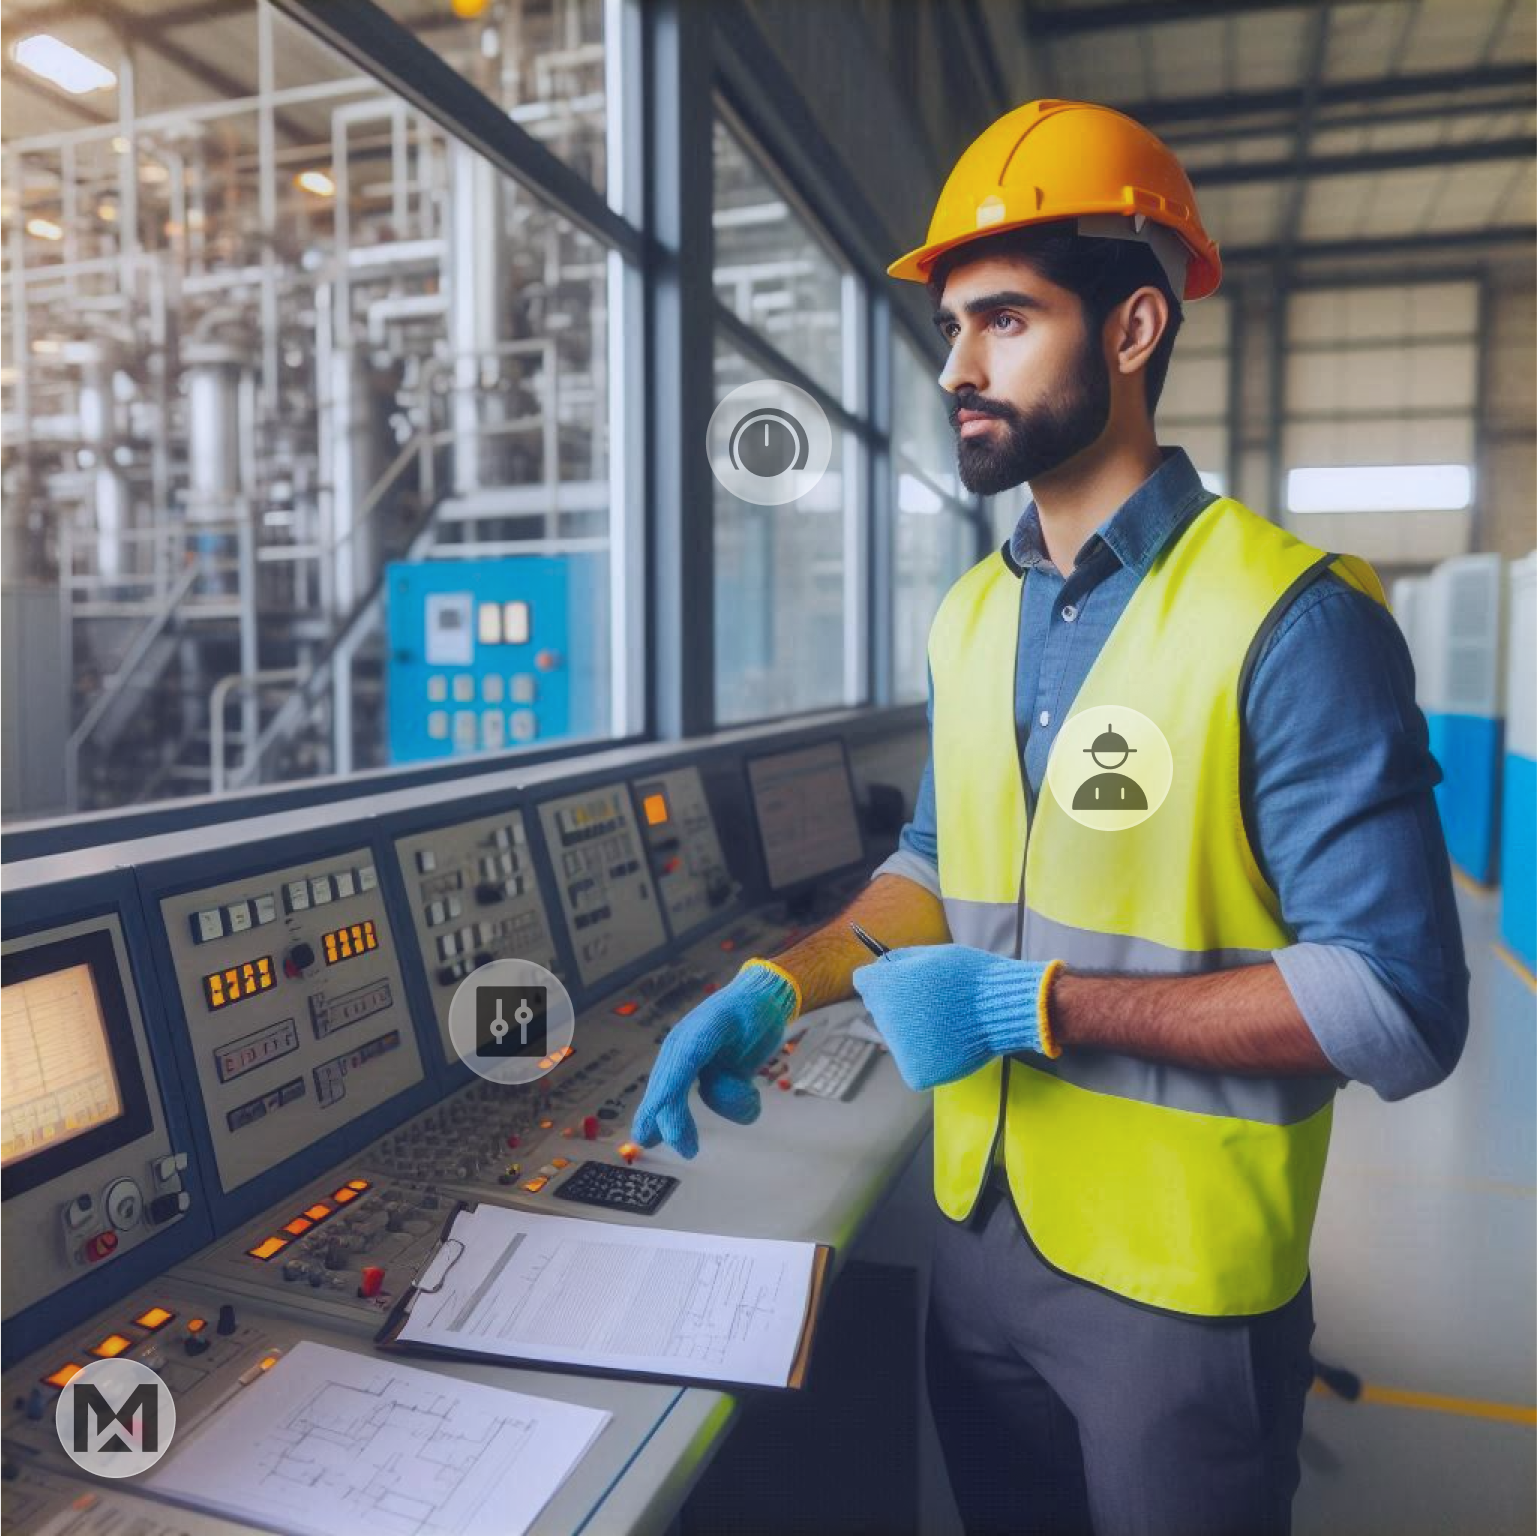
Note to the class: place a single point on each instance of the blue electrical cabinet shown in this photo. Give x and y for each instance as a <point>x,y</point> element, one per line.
<point>486,655</point>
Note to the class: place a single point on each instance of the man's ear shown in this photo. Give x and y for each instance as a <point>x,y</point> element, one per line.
<point>1137,325</point>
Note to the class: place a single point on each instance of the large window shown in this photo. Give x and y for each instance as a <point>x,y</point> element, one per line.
<point>787,577</point>
<point>936,530</point>
<point>269,329</point>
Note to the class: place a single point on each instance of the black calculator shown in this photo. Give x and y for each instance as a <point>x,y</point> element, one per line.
<point>618,1188</point>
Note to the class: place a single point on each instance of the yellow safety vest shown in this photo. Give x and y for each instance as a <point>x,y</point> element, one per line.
<point>1187,1190</point>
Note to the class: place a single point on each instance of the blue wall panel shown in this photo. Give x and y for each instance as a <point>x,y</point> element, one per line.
<point>1518,858</point>
<point>1468,748</point>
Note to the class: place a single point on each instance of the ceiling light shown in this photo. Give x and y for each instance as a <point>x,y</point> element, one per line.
<point>45,229</point>
<point>317,182</point>
<point>65,67</point>
<point>153,173</point>
<point>119,144</point>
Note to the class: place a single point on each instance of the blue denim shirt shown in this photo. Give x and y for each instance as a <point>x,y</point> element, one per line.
<point>1337,783</point>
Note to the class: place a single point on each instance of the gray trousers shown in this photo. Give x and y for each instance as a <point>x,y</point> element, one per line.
<point>1066,1411</point>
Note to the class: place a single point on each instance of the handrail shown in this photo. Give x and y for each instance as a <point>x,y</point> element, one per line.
<point>120,678</point>
<point>216,700</point>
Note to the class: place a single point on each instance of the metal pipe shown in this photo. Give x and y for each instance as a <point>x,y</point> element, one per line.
<point>216,701</point>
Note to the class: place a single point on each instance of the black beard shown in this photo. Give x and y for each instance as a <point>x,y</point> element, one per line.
<point>1036,441</point>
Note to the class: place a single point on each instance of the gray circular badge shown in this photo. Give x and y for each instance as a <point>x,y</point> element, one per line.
<point>115,1418</point>
<point>769,442</point>
<point>511,1021</point>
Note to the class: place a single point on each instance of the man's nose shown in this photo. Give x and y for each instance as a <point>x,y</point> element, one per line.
<point>963,369</point>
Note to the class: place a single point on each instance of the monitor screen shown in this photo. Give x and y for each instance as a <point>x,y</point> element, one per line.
<point>804,802</point>
<point>59,1081</point>
<point>71,1087</point>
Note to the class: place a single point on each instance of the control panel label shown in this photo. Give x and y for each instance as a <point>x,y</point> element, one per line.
<point>237,1057</point>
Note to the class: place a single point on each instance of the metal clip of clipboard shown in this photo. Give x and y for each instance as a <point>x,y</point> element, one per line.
<point>437,1253</point>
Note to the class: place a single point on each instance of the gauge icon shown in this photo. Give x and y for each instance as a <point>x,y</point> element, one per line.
<point>769,442</point>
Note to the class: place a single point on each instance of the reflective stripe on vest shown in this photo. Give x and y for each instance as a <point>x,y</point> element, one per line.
<point>1183,1189</point>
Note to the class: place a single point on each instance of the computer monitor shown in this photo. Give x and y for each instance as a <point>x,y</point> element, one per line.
<point>804,804</point>
<point>71,1089</point>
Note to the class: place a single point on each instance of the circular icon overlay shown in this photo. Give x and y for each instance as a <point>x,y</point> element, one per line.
<point>511,1021</point>
<point>115,1418</point>
<point>1110,768</point>
<point>769,442</point>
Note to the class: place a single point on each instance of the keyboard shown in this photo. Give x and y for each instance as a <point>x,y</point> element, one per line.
<point>834,1068</point>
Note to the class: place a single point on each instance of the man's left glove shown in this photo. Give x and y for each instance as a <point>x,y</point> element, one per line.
<point>946,1009</point>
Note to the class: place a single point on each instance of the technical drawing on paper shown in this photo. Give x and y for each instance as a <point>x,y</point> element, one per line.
<point>389,1457</point>
<point>329,1440</point>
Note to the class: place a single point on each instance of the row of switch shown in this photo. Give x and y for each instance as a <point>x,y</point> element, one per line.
<point>489,729</point>
<point>522,688</point>
<point>298,896</point>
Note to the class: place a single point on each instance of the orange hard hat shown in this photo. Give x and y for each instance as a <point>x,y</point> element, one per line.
<point>1051,160</point>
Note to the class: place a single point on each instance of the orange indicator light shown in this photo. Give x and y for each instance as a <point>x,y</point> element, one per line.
<point>267,1247</point>
<point>156,1317</point>
<point>112,1346</point>
<point>63,1376</point>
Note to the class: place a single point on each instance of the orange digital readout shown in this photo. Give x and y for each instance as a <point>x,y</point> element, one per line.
<point>63,1376</point>
<point>156,1317</point>
<point>267,1247</point>
<point>354,939</point>
<point>111,1346</point>
<point>237,981</point>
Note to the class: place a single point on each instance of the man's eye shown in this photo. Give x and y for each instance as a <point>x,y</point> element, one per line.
<point>1003,318</point>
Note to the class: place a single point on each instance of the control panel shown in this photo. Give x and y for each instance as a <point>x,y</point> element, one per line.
<point>90,1172</point>
<point>607,893</point>
<point>683,847</point>
<point>474,898</point>
<point>296,1015</point>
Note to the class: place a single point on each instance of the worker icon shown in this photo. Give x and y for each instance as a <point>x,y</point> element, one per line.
<point>1109,791</point>
<point>1110,767</point>
<point>511,1021</point>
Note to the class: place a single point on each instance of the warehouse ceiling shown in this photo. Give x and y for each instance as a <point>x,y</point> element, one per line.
<point>1310,129</point>
<point>1319,130</point>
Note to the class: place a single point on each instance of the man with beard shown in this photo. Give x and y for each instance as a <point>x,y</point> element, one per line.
<point>1133,1020</point>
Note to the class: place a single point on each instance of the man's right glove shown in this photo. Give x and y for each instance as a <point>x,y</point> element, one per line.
<point>722,1043</point>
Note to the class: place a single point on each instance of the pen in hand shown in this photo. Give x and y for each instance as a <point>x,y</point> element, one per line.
<point>876,948</point>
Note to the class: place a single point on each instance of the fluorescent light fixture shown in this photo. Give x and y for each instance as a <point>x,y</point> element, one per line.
<point>1380,488</point>
<point>45,229</point>
<point>63,66</point>
<point>317,182</point>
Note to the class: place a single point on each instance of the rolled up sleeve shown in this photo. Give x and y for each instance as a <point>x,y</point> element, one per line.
<point>1339,803</point>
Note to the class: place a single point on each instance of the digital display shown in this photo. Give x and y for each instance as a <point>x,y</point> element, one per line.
<point>354,939</point>
<point>59,1079</point>
<point>236,982</point>
<point>653,806</point>
<point>804,802</point>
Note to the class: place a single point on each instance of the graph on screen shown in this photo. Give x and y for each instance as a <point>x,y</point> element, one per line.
<point>59,1081</point>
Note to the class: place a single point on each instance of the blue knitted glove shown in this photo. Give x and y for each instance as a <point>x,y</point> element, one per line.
<point>946,1009</point>
<point>722,1042</point>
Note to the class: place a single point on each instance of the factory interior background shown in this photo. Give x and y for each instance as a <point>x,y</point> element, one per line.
<point>314,311</point>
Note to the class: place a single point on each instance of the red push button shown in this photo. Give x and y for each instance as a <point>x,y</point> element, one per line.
<point>373,1279</point>
<point>590,1127</point>
<point>100,1246</point>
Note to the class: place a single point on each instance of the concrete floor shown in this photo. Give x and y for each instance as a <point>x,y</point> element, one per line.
<point>1425,1285</point>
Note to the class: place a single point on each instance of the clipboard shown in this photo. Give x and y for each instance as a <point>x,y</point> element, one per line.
<point>429,1278</point>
